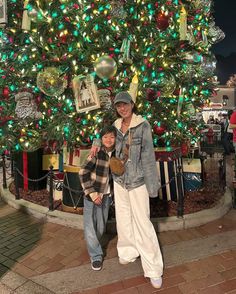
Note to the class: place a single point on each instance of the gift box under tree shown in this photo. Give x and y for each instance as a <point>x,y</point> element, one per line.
<point>76,156</point>
<point>29,167</point>
<point>58,179</point>
<point>192,174</point>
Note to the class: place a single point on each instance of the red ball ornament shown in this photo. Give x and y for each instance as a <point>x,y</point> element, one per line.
<point>151,95</point>
<point>5,92</point>
<point>159,130</point>
<point>162,21</point>
<point>176,92</point>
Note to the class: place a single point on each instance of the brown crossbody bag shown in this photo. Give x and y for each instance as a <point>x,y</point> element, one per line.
<point>117,165</point>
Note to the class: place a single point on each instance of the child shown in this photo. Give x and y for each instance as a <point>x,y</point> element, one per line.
<point>96,180</point>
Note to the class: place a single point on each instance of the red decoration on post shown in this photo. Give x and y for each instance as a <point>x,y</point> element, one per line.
<point>25,171</point>
<point>162,21</point>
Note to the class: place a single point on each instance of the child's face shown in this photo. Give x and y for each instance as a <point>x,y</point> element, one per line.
<point>108,141</point>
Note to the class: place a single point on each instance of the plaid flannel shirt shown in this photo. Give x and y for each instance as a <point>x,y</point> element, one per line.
<point>93,174</point>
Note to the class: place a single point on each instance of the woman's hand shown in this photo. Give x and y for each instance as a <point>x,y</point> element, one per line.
<point>93,151</point>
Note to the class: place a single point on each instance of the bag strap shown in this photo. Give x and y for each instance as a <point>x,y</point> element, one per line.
<point>126,149</point>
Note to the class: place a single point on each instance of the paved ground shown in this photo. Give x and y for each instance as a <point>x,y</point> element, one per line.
<point>38,257</point>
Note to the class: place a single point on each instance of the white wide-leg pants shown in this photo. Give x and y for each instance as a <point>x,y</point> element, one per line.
<point>136,234</point>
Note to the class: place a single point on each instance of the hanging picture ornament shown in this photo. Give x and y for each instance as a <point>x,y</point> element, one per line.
<point>3,13</point>
<point>105,67</point>
<point>162,21</point>
<point>165,82</point>
<point>30,141</point>
<point>85,92</point>
<point>51,81</point>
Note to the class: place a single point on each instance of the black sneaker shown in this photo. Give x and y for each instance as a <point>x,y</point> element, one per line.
<point>96,265</point>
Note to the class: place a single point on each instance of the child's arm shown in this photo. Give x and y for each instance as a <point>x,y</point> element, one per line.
<point>85,177</point>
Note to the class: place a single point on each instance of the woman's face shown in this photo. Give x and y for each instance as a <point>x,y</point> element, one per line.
<point>125,110</point>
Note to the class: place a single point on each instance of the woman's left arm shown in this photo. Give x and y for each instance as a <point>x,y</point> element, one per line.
<point>149,161</point>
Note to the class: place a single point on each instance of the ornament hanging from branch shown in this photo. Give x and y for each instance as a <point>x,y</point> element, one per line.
<point>165,83</point>
<point>26,107</point>
<point>117,9</point>
<point>51,81</point>
<point>183,24</point>
<point>26,21</point>
<point>190,36</point>
<point>133,88</point>
<point>180,102</point>
<point>3,13</point>
<point>125,49</point>
<point>162,21</point>
<point>85,92</point>
<point>105,67</point>
<point>104,96</point>
<point>215,34</point>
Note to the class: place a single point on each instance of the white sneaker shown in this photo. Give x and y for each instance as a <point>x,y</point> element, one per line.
<point>124,261</point>
<point>156,282</point>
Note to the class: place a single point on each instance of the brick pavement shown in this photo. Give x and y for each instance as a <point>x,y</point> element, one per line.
<point>31,247</point>
<point>212,275</point>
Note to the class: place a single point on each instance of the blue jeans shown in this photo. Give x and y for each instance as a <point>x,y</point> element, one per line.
<point>95,219</point>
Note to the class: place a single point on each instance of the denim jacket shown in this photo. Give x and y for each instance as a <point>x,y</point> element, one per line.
<point>141,166</point>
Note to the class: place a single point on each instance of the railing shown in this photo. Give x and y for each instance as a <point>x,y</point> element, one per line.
<point>52,176</point>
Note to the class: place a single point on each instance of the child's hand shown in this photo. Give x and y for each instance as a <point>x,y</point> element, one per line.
<point>98,200</point>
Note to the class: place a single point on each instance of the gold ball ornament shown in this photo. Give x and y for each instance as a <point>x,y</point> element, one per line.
<point>105,67</point>
<point>51,81</point>
<point>166,83</point>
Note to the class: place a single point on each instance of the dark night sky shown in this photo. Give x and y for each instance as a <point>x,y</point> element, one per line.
<point>225,18</point>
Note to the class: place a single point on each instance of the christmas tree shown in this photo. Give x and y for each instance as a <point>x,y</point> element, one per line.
<point>63,61</point>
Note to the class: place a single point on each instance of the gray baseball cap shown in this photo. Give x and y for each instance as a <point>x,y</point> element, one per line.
<point>123,97</point>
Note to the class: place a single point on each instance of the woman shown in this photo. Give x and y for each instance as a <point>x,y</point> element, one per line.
<point>136,234</point>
